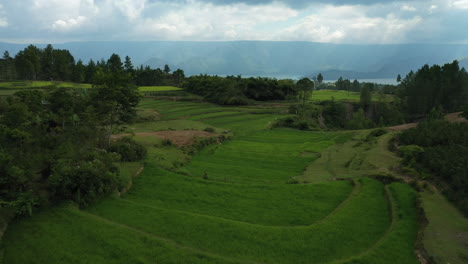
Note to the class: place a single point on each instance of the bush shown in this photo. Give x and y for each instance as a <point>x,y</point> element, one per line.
<point>85,180</point>
<point>209,130</point>
<point>128,149</point>
<point>167,142</point>
<point>410,154</point>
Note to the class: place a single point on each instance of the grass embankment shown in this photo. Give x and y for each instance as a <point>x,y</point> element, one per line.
<point>232,204</point>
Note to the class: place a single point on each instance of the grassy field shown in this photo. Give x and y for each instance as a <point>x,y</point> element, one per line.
<point>9,88</point>
<point>340,95</point>
<point>235,202</point>
<point>158,88</point>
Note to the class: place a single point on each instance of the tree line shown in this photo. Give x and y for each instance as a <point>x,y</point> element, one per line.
<point>51,64</point>
<point>235,90</point>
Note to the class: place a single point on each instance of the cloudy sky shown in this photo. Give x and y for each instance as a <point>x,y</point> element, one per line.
<point>336,21</point>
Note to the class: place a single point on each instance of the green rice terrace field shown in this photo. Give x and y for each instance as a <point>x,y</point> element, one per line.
<point>340,95</point>
<point>262,196</point>
<point>9,88</point>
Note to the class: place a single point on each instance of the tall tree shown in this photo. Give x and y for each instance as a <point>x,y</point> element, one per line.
<point>79,72</point>
<point>366,96</point>
<point>167,69</point>
<point>320,78</point>
<point>128,66</point>
<point>114,98</point>
<point>305,88</point>
<point>115,63</point>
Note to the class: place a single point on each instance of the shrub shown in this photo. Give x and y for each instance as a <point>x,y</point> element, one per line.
<point>167,142</point>
<point>128,149</point>
<point>209,130</point>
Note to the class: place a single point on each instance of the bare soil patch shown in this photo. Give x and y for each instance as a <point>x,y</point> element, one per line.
<point>452,117</point>
<point>402,127</point>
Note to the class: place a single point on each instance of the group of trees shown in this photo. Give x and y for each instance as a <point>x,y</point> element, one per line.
<point>444,87</point>
<point>438,150</point>
<point>55,145</point>
<point>235,90</point>
<point>48,64</point>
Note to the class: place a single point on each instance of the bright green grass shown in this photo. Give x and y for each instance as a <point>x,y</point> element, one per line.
<point>446,235</point>
<point>271,156</point>
<point>366,214</point>
<point>396,246</point>
<point>41,84</point>
<point>269,205</point>
<point>67,235</point>
<point>158,88</point>
<point>340,95</point>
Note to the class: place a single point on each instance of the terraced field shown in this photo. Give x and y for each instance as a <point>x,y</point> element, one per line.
<point>232,203</point>
<point>9,88</point>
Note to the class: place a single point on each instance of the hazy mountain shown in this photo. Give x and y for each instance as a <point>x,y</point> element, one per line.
<point>275,59</point>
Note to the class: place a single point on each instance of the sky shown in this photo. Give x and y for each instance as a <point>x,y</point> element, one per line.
<point>332,21</point>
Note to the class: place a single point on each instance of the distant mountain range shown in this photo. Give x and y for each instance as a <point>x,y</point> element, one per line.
<point>272,59</point>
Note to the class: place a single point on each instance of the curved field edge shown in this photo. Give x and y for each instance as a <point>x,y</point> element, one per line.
<point>397,245</point>
<point>72,236</point>
<point>282,205</point>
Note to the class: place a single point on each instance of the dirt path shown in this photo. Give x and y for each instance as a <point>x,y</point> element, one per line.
<point>452,117</point>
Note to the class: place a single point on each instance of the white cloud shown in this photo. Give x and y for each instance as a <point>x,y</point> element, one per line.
<point>202,21</point>
<point>3,20</point>
<point>408,8</point>
<point>350,24</point>
<point>460,4</point>
<point>382,22</point>
<point>130,8</point>
<point>68,24</point>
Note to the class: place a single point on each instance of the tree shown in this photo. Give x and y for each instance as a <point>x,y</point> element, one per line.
<point>167,70</point>
<point>28,63</point>
<point>305,88</point>
<point>320,78</point>
<point>79,72</point>
<point>366,96</point>
<point>356,86</point>
<point>114,98</point>
<point>179,76</point>
<point>7,67</point>
<point>90,71</point>
<point>398,79</point>
<point>128,66</point>
<point>115,64</point>
<point>47,60</point>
